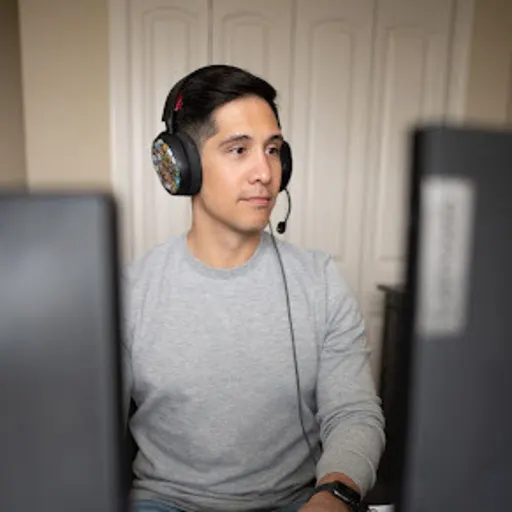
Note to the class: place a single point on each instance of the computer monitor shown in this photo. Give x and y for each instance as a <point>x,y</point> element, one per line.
<point>457,383</point>
<point>61,441</point>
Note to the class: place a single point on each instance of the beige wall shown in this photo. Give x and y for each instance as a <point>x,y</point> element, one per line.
<point>12,146</point>
<point>490,82</point>
<point>65,67</point>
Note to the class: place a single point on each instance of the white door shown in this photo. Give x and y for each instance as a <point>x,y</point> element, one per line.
<point>167,39</point>
<point>331,86</point>
<point>410,84</point>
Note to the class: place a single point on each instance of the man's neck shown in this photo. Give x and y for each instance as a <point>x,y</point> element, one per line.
<point>220,248</point>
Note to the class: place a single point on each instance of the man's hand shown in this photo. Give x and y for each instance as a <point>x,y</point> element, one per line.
<point>324,502</point>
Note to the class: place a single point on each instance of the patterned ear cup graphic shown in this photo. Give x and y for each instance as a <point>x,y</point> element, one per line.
<point>168,158</point>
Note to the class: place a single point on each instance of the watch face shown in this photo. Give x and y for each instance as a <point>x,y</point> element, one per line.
<point>346,492</point>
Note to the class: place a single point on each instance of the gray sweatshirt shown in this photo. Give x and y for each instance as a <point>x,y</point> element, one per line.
<point>209,364</point>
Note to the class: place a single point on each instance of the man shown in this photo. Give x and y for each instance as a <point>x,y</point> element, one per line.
<point>225,420</point>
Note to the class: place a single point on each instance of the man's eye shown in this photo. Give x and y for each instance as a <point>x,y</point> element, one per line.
<point>274,150</point>
<point>237,150</point>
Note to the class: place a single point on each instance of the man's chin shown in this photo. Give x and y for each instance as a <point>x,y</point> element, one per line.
<point>252,228</point>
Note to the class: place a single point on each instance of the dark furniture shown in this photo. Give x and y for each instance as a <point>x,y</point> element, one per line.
<point>385,490</point>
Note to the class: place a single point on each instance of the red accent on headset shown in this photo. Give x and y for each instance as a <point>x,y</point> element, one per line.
<point>179,103</point>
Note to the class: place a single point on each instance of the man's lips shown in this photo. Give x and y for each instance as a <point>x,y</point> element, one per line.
<point>258,200</point>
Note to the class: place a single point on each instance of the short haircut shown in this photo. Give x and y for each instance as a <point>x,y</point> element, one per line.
<point>211,87</point>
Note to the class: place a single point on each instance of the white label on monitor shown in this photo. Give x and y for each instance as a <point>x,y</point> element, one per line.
<point>446,228</point>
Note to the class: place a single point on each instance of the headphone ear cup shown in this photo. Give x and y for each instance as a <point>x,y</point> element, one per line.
<point>286,165</point>
<point>171,163</point>
<point>195,168</point>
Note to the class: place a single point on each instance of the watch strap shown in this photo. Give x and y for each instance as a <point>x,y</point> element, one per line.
<point>344,493</point>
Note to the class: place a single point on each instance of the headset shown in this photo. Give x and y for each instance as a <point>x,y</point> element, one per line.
<point>177,162</point>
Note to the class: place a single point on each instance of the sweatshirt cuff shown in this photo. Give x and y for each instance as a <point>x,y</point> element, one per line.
<point>355,465</point>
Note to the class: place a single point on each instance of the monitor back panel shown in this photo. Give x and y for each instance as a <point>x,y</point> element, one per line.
<point>60,407</point>
<point>457,454</point>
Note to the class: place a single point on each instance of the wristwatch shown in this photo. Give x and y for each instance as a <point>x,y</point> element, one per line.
<point>346,494</point>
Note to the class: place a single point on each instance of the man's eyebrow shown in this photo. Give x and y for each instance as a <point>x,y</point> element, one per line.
<point>234,138</point>
<point>277,137</point>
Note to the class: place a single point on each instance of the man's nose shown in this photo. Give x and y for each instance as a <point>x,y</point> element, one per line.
<point>262,167</point>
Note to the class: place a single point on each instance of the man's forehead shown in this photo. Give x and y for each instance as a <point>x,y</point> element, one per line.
<point>245,115</point>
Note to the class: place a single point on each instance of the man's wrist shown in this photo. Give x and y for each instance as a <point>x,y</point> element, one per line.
<point>325,500</point>
<point>340,488</point>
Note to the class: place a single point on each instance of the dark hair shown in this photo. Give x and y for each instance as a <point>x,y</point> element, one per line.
<point>210,87</point>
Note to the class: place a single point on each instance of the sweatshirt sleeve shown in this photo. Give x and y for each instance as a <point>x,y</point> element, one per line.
<point>349,410</point>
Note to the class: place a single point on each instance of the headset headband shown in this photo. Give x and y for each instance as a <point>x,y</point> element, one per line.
<point>171,103</point>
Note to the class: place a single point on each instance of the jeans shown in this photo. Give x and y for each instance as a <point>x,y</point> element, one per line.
<point>157,506</point>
